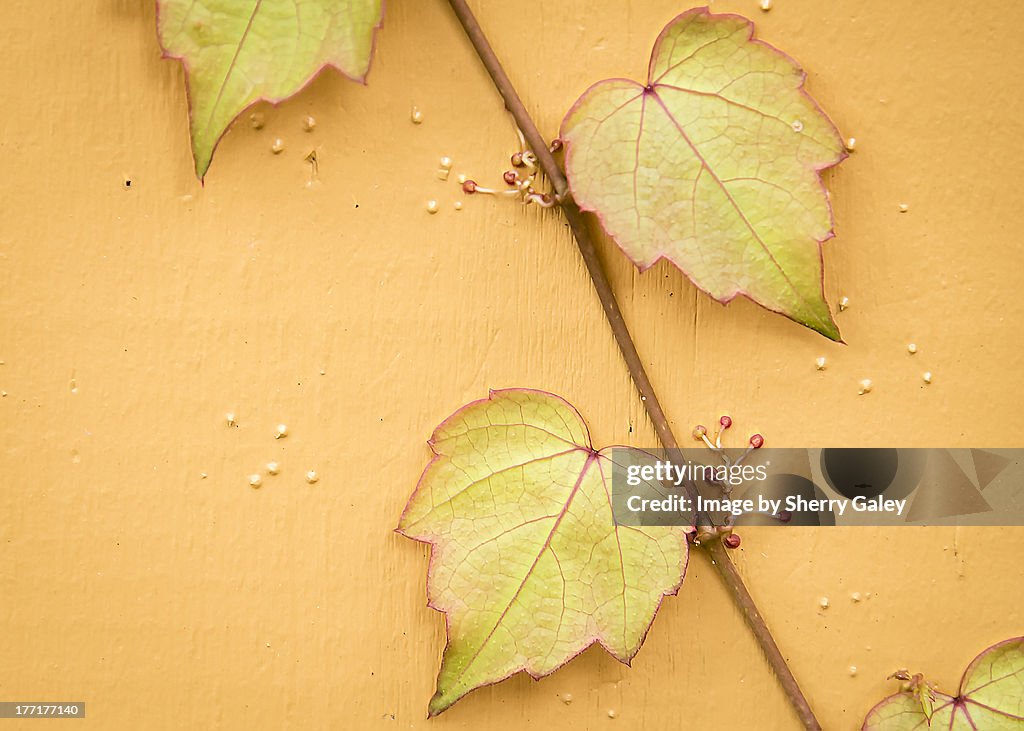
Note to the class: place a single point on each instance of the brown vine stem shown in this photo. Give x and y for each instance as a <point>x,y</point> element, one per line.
<point>716,550</point>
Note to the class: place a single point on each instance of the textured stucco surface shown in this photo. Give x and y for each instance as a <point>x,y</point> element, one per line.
<point>132,320</point>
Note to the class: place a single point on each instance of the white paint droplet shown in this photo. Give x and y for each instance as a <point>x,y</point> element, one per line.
<point>852,670</point>
<point>462,178</point>
<point>446,162</point>
<point>612,713</point>
<point>926,376</point>
<point>797,125</point>
<point>865,386</point>
<point>855,596</point>
<point>255,481</point>
<point>911,348</point>
<point>904,208</point>
<point>281,432</point>
<point>457,205</point>
<point>766,5</point>
<point>820,363</point>
<point>309,124</point>
<point>844,303</point>
<point>416,115</point>
<point>432,207</point>
<point>823,603</point>
<point>256,120</point>
<point>312,477</point>
<point>273,468</point>
<point>230,418</point>
<point>567,698</point>
<point>851,144</point>
<point>278,147</point>
<point>203,475</point>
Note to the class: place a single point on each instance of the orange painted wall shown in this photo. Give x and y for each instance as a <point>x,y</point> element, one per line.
<point>132,320</point>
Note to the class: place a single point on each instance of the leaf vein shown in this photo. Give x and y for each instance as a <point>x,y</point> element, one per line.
<point>234,60</point>
<point>522,585</point>
<point>733,203</point>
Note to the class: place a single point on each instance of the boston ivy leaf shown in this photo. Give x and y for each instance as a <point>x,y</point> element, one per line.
<point>991,697</point>
<point>713,164</point>
<point>238,52</point>
<point>526,562</point>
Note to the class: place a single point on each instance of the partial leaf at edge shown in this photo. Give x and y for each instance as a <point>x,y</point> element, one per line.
<point>713,164</point>
<point>526,562</point>
<point>237,52</point>
<point>903,712</point>
<point>991,698</point>
<point>993,686</point>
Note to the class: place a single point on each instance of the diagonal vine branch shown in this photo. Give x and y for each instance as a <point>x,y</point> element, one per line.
<point>717,552</point>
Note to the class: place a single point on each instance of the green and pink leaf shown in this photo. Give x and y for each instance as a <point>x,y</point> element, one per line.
<point>713,163</point>
<point>237,53</point>
<point>526,562</point>
<point>990,698</point>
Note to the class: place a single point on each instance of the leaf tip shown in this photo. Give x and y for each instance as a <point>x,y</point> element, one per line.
<point>829,329</point>
<point>202,154</point>
<point>438,705</point>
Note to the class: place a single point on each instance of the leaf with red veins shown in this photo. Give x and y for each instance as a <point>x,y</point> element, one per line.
<point>991,698</point>
<point>714,164</point>
<point>526,562</point>
<point>237,52</point>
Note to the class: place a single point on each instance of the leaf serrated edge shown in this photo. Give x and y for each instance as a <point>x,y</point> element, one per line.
<point>434,710</point>
<point>833,332</point>
<point>165,53</point>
